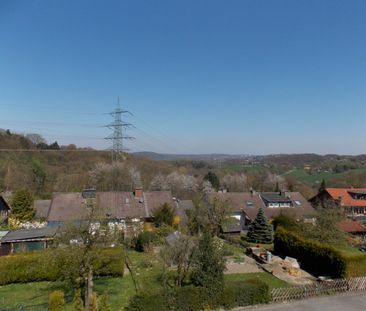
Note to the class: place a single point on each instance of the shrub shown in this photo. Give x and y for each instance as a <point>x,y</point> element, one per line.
<point>149,300</point>
<point>244,293</point>
<point>164,214</point>
<point>188,298</point>
<point>50,264</point>
<point>145,240</point>
<point>77,303</point>
<point>103,304</point>
<point>56,301</point>
<point>329,261</point>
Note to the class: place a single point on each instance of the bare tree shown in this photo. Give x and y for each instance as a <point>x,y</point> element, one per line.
<point>178,253</point>
<point>235,183</point>
<point>36,138</point>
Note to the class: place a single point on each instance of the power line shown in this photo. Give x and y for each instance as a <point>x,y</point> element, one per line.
<point>119,128</point>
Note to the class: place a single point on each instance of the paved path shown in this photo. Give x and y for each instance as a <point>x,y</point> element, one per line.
<point>346,302</point>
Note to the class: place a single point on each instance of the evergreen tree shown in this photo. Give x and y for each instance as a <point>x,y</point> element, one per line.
<point>213,179</point>
<point>77,304</point>
<point>260,231</point>
<point>22,205</point>
<point>322,186</point>
<point>164,214</point>
<point>209,268</point>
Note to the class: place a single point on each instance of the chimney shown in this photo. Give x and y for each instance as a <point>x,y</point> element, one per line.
<point>138,193</point>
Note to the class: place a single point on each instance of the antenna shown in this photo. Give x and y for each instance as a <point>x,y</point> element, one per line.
<point>119,132</point>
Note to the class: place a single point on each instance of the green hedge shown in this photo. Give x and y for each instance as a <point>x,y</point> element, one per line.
<point>191,298</point>
<point>48,265</point>
<point>318,258</point>
<point>245,293</point>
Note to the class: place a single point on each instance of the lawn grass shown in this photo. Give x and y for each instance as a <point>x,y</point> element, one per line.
<point>147,267</point>
<point>265,277</point>
<point>316,178</point>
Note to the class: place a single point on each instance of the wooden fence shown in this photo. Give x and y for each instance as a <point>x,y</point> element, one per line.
<point>328,287</point>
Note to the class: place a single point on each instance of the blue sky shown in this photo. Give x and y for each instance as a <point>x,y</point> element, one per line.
<point>238,76</point>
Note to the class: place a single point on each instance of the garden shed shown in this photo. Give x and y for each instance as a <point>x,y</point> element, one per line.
<point>27,240</point>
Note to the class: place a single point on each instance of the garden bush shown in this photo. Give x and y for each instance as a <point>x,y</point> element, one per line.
<point>329,261</point>
<point>56,301</point>
<point>150,300</point>
<point>318,258</point>
<point>144,241</point>
<point>48,265</point>
<point>194,298</point>
<point>244,293</point>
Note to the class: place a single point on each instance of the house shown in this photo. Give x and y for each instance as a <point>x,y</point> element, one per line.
<point>352,200</point>
<point>32,239</point>
<point>247,204</point>
<point>42,208</point>
<point>4,210</point>
<point>111,206</point>
<point>352,226</point>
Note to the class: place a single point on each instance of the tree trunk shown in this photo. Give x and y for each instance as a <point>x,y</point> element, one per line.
<point>89,288</point>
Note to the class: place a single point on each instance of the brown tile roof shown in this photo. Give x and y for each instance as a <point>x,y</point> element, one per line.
<point>351,226</point>
<point>344,195</point>
<point>72,206</point>
<point>251,202</point>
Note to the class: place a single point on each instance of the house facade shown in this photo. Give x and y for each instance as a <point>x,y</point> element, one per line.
<point>247,204</point>
<point>137,206</point>
<point>352,200</point>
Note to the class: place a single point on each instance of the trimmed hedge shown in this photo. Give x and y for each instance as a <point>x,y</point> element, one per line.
<point>191,298</point>
<point>318,258</point>
<point>48,265</point>
<point>245,293</point>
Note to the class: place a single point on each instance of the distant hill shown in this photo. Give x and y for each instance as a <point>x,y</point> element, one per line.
<point>191,157</point>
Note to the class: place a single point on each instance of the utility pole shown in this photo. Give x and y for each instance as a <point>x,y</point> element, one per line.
<point>119,128</point>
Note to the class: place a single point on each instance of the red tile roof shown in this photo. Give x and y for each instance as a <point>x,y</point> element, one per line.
<point>351,226</point>
<point>343,195</point>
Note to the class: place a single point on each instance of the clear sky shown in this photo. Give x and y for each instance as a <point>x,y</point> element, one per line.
<point>229,76</point>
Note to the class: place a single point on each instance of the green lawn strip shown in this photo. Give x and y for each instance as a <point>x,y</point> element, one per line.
<point>146,266</point>
<point>265,277</point>
<point>311,179</point>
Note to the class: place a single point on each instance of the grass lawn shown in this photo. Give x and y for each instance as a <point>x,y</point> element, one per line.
<point>265,277</point>
<point>316,178</point>
<point>147,267</point>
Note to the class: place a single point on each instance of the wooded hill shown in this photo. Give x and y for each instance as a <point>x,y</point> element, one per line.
<point>28,161</point>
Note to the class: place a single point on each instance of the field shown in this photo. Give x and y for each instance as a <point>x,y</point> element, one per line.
<point>147,268</point>
<point>316,178</point>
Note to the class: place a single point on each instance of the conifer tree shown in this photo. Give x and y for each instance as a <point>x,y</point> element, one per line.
<point>209,267</point>
<point>322,186</point>
<point>22,205</point>
<point>260,231</point>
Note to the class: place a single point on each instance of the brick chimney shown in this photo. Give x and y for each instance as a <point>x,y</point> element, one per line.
<point>138,193</point>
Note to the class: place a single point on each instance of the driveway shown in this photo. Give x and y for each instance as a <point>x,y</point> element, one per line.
<point>346,302</point>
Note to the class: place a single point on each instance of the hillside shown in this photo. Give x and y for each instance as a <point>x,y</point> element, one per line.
<point>45,170</point>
